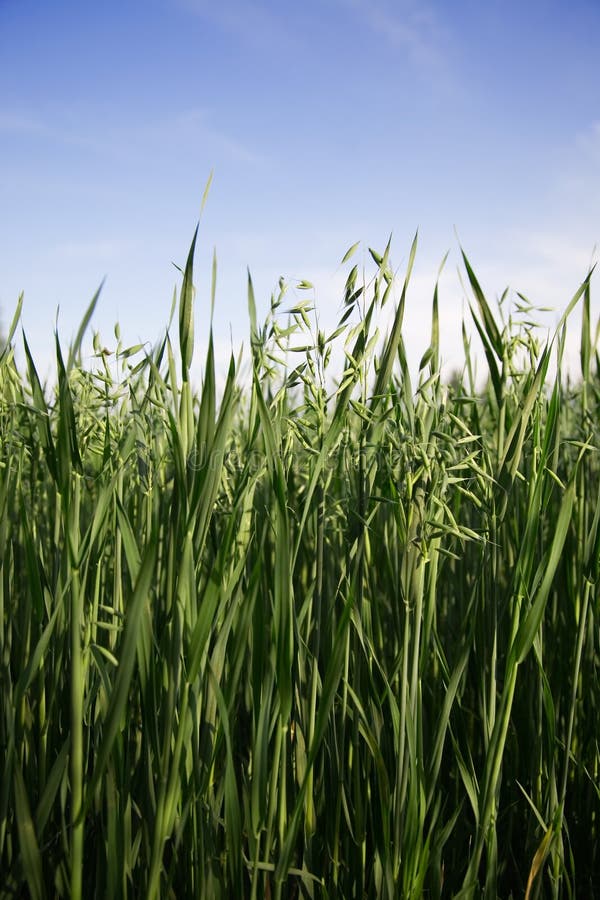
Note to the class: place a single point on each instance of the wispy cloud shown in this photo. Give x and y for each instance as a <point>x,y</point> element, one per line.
<point>123,142</point>
<point>100,250</point>
<point>414,28</point>
<point>560,251</point>
<point>254,23</point>
<point>64,127</point>
<point>196,123</point>
<point>589,141</point>
<point>16,123</point>
<point>575,187</point>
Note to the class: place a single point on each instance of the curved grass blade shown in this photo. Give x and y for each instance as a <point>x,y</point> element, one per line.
<point>127,659</point>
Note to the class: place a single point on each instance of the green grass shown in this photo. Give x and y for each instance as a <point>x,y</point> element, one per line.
<point>321,636</point>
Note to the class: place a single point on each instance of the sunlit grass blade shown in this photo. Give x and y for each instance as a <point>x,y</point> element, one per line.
<point>186,312</point>
<point>75,347</point>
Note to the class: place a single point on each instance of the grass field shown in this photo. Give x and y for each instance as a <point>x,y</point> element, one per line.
<point>331,634</point>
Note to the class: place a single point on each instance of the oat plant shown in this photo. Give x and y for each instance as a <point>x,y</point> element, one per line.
<point>330,631</point>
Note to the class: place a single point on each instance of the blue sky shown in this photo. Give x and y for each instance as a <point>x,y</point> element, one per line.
<point>324,122</point>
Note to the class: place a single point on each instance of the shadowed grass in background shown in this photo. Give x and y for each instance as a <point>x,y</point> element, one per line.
<point>308,638</point>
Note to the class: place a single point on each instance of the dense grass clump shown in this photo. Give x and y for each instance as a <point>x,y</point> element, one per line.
<point>314,637</point>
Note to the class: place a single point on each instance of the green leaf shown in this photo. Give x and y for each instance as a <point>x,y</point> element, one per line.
<point>391,348</point>
<point>531,622</point>
<point>127,657</point>
<point>233,817</point>
<point>491,329</point>
<point>30,851</point>
<point>76,345</point>
<point>43,419</point>
<point>69,457</point>
<point>53,782</point>
<point>206,191</point>
<point>14,323</point>
<point>186,312</point>
<point>350,252</point>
